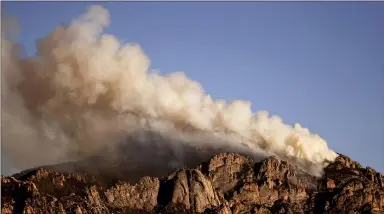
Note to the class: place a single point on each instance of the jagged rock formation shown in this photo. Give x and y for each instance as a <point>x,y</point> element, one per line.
<point>227,183</point>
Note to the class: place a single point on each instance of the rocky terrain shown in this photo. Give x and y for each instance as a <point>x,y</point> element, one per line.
<point>227,183</point>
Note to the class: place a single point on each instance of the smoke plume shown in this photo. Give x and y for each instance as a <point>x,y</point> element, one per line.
<point>84,93</point>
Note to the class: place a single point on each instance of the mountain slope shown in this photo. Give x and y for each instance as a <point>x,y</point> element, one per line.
<point>227,183</point>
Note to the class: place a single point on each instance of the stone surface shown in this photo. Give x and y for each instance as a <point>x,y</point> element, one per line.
<point>227,183</point>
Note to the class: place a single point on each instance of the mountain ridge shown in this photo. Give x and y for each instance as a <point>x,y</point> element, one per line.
<point>226,183</point>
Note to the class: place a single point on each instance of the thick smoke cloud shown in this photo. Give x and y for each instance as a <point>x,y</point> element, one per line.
<point>85,92</point>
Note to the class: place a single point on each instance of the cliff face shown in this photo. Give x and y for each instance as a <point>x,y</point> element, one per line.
<point>227,183</point>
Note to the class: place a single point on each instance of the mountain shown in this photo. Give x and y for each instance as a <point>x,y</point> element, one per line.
<point>226,183</point>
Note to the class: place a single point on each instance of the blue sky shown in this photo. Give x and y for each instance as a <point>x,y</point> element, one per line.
<point>317,63</point>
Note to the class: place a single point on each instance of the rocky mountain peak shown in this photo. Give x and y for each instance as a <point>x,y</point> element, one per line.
<point>226,183</point>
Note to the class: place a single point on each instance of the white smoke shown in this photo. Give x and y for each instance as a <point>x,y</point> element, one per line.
<point>84,90</point>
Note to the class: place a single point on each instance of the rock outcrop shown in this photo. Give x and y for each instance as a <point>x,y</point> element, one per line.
<point>227,183</point>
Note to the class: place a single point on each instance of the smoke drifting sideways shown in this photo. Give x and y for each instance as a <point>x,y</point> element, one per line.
<point>84,92</point>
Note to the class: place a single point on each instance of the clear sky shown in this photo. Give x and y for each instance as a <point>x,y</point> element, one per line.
<point>320,64</point>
